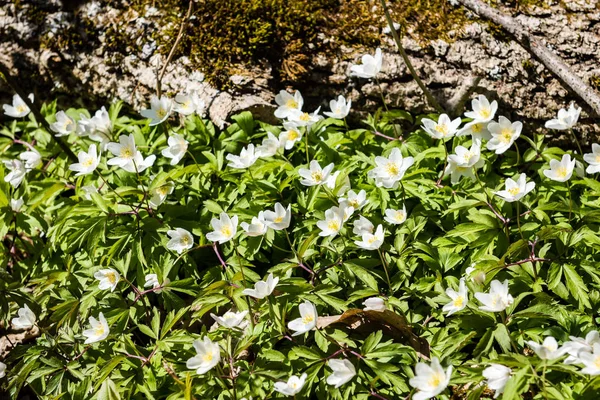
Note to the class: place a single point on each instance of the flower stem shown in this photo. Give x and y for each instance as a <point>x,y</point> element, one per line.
<point>576,141</point>
<point>570,200</point>
<point>385,268</point>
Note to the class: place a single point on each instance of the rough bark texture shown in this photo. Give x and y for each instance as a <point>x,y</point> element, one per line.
<point>507,72</point>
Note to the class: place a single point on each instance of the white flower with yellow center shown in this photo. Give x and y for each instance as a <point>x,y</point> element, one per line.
<point>593,159</point>
<point>339,109</point>
<point>109,279</point>
<point>395,217</point>
<point>560,171</point>
<point>231,319</point>
<point>88,162</point>
<point>99,330</point>
<point>389,171</point>
<point>370,67</point>
<point>515,191</point>
<point>430,380</point>
<point>26,318</point>
<point>177,148</point>
<point>18,109</point>
<point>315,175</point>
<point>247,158</point>
<point>504,133</point>
<point>483,111</point>
<point>442,129</point>
<point>498,299</point>
<point>32,158</point>
<point>280,218</point>
<point>362,225</point>
<point>180,240</point>
<point>307,320</point>
<point>64,124</point>
<point>262,289</point>
<point>371,241</point>
<point>355,200</point>
<point>290,135</point>
<point>159,194</point>
<point>160,109</point>
<point>187,104</point>
<point>257,227</point>
<point>333,222</point>
<point>16,174</point>
<point>464,162</point>
<point>566,119</point>
<point>127,156</point>
<point>459,299</point>
<point>224,227</point>
<point>292,387</point>
<point>208,355</point>
<point>477,130</point>
<point>591,360</point>
<point>548,350</point>
<point>305,119</point>
<point>497,375</point>
<point>269,146</point>
<point>288,103</point>
<point>576,346</point>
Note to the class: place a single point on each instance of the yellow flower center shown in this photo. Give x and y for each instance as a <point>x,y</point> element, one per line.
<point>597,362</point>
<point>476,128</point>
<point>161,112</point>
<point>163,190</point>
<point>208,356</point>
<point>459,301</point>
<point>307,319</point>
<point>278,219</point>
<point>597,158</point>
<point>467,156</point>
<point>305,117</point>
<point>294,385</point>
<point>392,168</point>
<point>126,152</point>
<point>435,380</point>
<point>443,129</point>
<point>561,172</point>
<point>21,108</point>
<point>514,191</point>
<point>485,112</point>
<point>353,203</point>
<point>111,277</point>
<point>372,239</point>
<point>317,176</point>
<point>399,215</point>
<point>88,162</point>
<point>333,225</point>
<point>99,330</point>
<point>185,240</point>
<point>506,135</point>
<point>226,231</point>
<point>291,103</point>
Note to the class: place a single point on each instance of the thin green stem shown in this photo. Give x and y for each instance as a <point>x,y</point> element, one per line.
<point>307,130</point>
<point>386,107</point>
<point>570,200</point>
<point>576,141</point>
<point>385,268</point>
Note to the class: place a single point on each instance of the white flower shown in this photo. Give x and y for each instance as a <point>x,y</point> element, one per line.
<point>159,111</point>
<point>269,146</point>
<point>333,222</point>
<point>548,350</point>
<point>2,370</point>
<point>504,133</point>
<point>443,128</point>
<point>566,119</point>
<point>180,240</point>
<point>246,158</point>
<point>262,289</point>
<point>395,217</point>
<point>497,375</point>
<point>560,171</point>
<point>101,126</point>
<point>315,175</point>
<point>370,66</point>
<point>498,299</point>
<point>225,228</point>
<point>231,319</point>
<point>580,345</point>
<point>430,380</point>
<point>280,218</point>
<point>187,104</point>
<point>109,279</point>
<point>387,30</point>
<point>339,108</point>
<point>362,225</point>
<point>483,111</point>
<point>208,355</point>
<point>475,275</point>
<point>593,159</point>
<point>374,304</point>
<point>18,109</point>
<point>459,299</point>
<point>307,320</point>
<point>288,103</point>
<point>477,130</point>
<point>177,148</point>
<point>371,241</point>
<point>591,360</point>
<point>354,200</point>
<point>16,174</point>
<point>303,118</point>
<point>389,171</point>
<point>292,387</point>
<point>99,330</point>
<point>25,320</point>
<point>257,227</point>
<point>64,124</point>
<point>32,158</point>
<point>151,280</point>
<point>88,162</point>
<point>463,162</point>
<point>88,190</point>
<point>290,135</point>
<point>516,190</point>
<point>343,372</point>
<point>127,156</point>
<point>159,194</point>
<point>16,204</point>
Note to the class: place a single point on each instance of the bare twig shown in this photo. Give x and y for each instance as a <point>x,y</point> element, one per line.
<point>457,103</point>
<point>172,52</point>
<point>430,99</point>
<point>36,111</point>
<point>538,49</point>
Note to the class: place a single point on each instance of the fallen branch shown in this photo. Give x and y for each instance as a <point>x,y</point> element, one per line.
<point>538,49</point>
<point>36,111</point>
